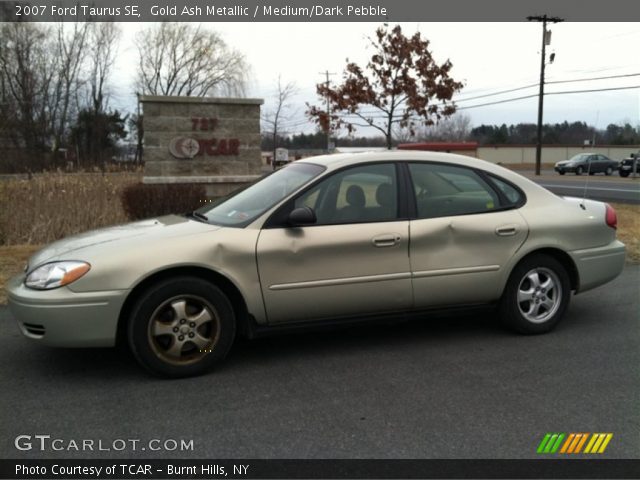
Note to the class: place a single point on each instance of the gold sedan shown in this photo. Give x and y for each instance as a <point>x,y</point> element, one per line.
<point>324,241</point>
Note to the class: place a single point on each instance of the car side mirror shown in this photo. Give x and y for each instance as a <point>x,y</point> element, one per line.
<point>302,216</point>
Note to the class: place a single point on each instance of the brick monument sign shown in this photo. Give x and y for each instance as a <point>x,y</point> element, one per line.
<point>212,141</point>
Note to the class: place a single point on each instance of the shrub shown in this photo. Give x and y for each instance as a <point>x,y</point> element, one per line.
<point>143,201</point>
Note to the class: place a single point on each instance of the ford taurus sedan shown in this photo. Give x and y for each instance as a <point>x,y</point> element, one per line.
<point>326,240</point>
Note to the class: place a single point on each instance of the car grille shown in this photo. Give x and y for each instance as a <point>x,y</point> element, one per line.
<point>34,329</point>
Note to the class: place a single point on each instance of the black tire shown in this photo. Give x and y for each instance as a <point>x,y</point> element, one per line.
<point>181,327</point>
<point>624,174</point>
<point>608,171</point>
<point>550,306</point>
<point>579,170</point>
<point>561,172</point>
<point>592,173</point>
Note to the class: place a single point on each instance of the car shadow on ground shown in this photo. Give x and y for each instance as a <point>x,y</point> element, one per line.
<point>421,332</point>
<point>246,354</point>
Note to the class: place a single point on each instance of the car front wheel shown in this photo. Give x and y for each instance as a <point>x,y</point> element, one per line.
<point>608,171</point>
<point>536,296</point>
<point>579,171</point>
<point>181,327</point>
<point>561,172</point>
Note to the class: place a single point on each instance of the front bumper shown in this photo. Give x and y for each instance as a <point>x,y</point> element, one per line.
<point>63,318</point>
<point>597,266</point>
<point>564,168</point>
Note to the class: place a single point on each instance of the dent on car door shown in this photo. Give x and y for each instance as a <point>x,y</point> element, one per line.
<point>463,236</point>
<point>353,261</point>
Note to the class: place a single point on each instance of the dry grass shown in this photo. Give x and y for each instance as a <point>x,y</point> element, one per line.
<point>629,229</point>
<point>54,205</point>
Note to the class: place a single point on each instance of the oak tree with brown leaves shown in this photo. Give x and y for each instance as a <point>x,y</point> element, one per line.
<point>401,86</point>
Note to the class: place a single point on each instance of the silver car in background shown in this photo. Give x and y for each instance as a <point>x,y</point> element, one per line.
<point>325,240</point>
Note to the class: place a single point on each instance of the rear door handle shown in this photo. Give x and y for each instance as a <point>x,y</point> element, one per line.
<point>506,230</point>
<point>388,240</point>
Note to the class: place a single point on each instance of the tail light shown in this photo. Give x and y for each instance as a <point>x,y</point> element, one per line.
<point>610,217</point>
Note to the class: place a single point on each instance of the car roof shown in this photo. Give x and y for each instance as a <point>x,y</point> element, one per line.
<point>340,160</point>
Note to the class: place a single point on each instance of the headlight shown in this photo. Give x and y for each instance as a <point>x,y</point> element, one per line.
<point>56,274</point>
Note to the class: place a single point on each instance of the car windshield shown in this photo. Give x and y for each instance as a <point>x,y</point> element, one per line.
<point>579,158</point>
<point>244,206</point>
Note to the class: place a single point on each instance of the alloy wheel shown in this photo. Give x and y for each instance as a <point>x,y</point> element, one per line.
<point>539,295</point>
<point>183,329</point>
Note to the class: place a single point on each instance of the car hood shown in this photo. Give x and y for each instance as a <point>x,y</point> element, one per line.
<point>563,163</point>
<point>161,227</point>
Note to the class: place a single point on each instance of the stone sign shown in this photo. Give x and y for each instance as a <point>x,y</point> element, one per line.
<point>213,141</point>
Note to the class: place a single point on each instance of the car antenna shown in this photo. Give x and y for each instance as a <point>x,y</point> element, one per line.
<point>586,185</point>
<point>593,144</point>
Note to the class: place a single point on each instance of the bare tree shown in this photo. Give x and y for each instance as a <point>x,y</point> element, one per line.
<point>103,44</point>
<point>185,60</point>
<point>281,113</point>
<point>70,52</point>
<point>28,69</point>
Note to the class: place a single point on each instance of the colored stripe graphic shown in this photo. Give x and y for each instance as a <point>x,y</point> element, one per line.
<point>573,443</point>
<point>567,443</point>
<point>598,443</point>
<point>550,443</point>
<point>581,443</point>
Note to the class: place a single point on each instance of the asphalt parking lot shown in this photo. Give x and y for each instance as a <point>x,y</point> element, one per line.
<point>454,386</point>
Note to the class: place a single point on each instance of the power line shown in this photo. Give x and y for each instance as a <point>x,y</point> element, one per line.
<point>496,93</point>
<point>595,78</point>
<point>566,92</point>
<point>501,92</point>
<point>509,100</point>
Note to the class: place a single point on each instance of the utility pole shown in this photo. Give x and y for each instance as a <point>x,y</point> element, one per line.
<point>326,73</point>
<point>546,39</point>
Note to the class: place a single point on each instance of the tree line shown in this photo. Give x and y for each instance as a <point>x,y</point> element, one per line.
<point>458,129</point>
<point>556,133</point>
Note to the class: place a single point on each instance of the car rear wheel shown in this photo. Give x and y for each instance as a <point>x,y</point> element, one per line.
<point>181,327</point>
<point>608,171</point>
<point>579,170</point>
<point>536,296</point>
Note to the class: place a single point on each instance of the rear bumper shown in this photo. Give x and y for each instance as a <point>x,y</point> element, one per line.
<point>62,318</point>
<point>597,266</point>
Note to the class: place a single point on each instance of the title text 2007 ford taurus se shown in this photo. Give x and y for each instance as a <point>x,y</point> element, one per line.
<point>325,240</point>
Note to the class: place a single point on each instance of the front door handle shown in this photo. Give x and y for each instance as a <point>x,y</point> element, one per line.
<point>506,230</point>
<point>386,240</point>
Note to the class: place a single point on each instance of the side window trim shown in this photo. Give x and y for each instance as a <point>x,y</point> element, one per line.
<point>278,218</point>
<point>504,203</point>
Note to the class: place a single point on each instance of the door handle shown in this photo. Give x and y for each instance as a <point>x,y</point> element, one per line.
<point>506,230</point>
<point>386,240</point>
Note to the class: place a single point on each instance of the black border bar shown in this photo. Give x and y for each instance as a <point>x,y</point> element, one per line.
<point>543,468</point>
<point>317,10</point>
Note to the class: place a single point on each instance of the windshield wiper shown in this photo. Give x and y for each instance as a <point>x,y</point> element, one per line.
<point>199,215</point>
